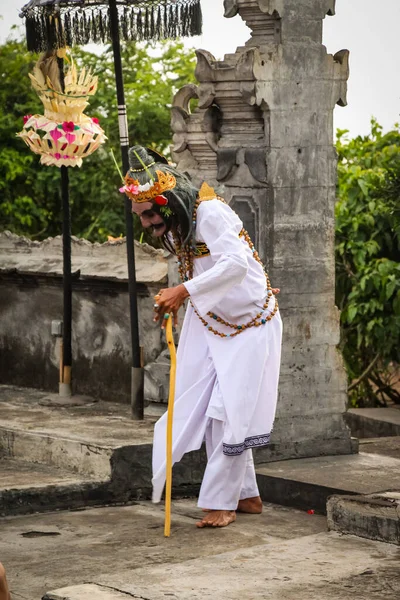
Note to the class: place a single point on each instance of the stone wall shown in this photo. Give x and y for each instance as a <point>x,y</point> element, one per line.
<point>31,297</point>
<point>263,130</point>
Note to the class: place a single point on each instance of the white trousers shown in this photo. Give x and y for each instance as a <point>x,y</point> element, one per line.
<point>227,479</point>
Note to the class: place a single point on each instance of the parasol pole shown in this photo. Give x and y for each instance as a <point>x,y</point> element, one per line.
<point>170,418</point>
<point>65,383</point>
<point>137,371</point>
<point>66,367</point>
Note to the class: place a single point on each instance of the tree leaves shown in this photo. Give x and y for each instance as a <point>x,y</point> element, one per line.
<point>368,257</point>
<point>30,193</point>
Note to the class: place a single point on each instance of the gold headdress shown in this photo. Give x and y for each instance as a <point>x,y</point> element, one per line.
<point>148,191</point>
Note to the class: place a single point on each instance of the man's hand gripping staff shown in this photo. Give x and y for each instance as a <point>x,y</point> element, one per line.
<point>167,302</point>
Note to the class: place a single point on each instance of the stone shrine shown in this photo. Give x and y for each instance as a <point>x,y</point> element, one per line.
<point>263,129</point>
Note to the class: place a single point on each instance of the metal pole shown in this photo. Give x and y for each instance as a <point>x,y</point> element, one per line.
<point>137,371</point>
<point>65,371</point>
<point>65,385</point>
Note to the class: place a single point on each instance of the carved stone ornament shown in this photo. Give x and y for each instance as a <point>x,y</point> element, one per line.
<point>256,161</point>
<point>230,8</point>
<point>279,7</point>
<point>226,160</point>
<point>341,74</point>
<point>195,135</point>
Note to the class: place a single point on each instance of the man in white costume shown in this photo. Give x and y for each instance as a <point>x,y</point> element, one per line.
<point>228,356</point>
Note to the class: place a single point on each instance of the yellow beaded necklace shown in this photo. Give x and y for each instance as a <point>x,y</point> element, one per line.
<point>186,255</point>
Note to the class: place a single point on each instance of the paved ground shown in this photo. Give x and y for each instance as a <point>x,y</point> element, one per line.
<point>390,414</point>
<point>386,446</point>
<point>374,422</point>
<point>16,474</point>
<point>362,473</point>
<point>284,553</point>
<point>79,418</point>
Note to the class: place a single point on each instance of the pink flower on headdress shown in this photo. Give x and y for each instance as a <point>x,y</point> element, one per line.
<point>68,126</point>
<point>57,155</point>
<point>95,120</point>
<point>26,118</point>
<point>132,189</point>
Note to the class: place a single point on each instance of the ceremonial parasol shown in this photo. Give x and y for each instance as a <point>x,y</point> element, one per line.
<point>54,24</point>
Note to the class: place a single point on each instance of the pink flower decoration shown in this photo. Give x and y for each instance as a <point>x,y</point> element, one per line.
<point>132,189</point>
<point>95,120</point>
<point>70,137</point>
<point>68,126</point>
<point>56,134</point>
<point>26,118</point>
<point>57,155</point>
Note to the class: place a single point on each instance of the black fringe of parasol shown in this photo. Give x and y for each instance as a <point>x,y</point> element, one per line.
<point>50,26</point>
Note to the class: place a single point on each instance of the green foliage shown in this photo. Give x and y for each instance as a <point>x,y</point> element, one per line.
<point>30,201</point>
<point>368,262</point>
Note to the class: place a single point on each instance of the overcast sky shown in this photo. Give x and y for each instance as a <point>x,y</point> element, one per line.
<point>369,31</point>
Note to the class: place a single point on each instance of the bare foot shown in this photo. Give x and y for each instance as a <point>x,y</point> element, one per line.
<point>217,518</point>
<point>252,506</point>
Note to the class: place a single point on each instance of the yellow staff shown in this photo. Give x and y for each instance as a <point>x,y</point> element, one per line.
<point>171,398</point>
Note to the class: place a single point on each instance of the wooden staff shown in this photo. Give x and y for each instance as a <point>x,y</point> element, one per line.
<point>170,416</point>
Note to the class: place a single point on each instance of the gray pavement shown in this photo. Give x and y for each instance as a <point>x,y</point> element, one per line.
<point>22,475</point>
<point>374,422</point>
<point>390,414</point>
<point>106,424</point>
<point>356,473</point>
<point>386,446</point>
<point>120,552</point>
<point>59,454</point>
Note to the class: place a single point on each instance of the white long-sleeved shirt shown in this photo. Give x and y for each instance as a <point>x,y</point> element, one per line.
<point>228,281</point>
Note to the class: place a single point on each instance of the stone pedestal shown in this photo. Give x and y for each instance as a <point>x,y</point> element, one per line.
<point>263,129</point>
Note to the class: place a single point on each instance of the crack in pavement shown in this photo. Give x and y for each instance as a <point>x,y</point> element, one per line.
<point>109,587</point>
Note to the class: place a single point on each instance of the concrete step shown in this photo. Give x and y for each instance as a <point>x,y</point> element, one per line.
<point>376,517</point>
<point>89,440</point>
<point>98,444</point>
<point>28,488</point>
<point>373,422</point>
<point>79,436</point>
<point>308,482</point>
<point>386,446</point>
<point>82,457</point>
<point>70,453</point>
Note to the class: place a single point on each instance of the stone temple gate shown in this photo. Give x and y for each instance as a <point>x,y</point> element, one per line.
<point>263,128</point>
